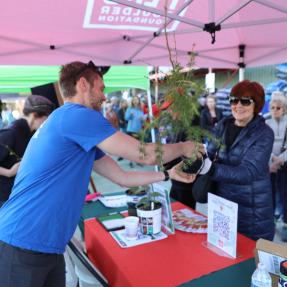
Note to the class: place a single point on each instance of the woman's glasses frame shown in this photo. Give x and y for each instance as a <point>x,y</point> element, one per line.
<point>244,101</point>
<point>276,108</point>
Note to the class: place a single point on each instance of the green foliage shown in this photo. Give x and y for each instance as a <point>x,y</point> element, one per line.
<point>146,202</point>
<point>182,91</point>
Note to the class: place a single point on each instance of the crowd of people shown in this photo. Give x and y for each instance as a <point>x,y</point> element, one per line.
<point>54,152</point>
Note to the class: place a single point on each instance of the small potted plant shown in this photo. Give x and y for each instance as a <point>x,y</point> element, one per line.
<point>149,212</point>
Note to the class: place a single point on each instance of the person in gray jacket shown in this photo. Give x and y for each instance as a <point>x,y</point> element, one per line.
<point>278,160</point>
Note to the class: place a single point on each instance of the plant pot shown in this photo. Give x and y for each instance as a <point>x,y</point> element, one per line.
<point>132,210</point>
<point>149,220</point>
<point>134,195</point>
<point>192,167</point>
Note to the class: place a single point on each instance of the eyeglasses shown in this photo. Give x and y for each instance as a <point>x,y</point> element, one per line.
<point>100,70</point>
<point>244,101</point>
<point>276,108</point>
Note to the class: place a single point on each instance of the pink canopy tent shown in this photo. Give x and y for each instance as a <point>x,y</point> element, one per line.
<point>53,32</point>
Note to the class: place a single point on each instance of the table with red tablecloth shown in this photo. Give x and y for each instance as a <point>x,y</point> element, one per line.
<point>180,258</point>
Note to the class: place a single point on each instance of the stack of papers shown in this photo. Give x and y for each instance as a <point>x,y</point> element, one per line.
<point>114,200</point>
<point>189,221</point>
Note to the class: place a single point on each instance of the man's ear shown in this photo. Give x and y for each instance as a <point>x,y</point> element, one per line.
<point>83,84</point>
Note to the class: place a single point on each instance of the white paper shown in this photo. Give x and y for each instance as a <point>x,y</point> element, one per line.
<point>124,242</point>
<point>114,200</point>
<point>166,215</point>
<point>270,261</point>
<point>222,224</point>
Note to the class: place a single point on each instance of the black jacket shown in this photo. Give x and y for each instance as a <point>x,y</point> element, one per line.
<point>13,143</point>
<point>206,120</point>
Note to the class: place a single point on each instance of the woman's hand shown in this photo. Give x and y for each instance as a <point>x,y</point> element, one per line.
<point>177,174</point>
<point>9,172</point>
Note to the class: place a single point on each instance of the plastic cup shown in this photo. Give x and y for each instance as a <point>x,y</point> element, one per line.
<point>131,227</point>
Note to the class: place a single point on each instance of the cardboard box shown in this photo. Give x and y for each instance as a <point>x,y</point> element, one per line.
<point>271,254</point>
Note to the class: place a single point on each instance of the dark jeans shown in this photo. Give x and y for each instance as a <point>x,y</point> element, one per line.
<point>25,268</point>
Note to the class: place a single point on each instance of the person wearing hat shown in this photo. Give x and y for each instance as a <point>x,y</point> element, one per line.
<point>241,170</point>
<point>15,138</point>
<point>44,208</point>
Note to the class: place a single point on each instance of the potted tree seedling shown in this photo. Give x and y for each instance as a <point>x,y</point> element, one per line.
<point>149,212</point>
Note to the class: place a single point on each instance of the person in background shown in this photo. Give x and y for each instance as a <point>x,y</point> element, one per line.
<point>241,169</point>
<point>44,208</point>
<point>121,115</point>
<point>115,104</point>
<point>15,138</point>
<point>135,118</point>
<point>210,115</point>
<point>278,160</point>
<point>1,120</point>
<point>112,116</point>
<point>121,118</point>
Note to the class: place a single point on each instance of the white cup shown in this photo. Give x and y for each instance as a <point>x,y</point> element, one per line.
<point>131,227</point>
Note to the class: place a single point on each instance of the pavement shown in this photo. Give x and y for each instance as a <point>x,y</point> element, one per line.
<point>104,185</point>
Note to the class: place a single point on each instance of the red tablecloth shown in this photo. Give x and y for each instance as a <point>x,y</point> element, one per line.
<point>169,262</point>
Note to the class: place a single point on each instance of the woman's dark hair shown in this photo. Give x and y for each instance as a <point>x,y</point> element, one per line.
<point>253,90</point>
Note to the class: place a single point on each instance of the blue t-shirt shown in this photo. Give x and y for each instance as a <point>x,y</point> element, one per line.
<point>46,201</point>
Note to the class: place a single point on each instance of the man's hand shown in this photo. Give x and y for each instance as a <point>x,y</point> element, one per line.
<point>190,148</point>
<point>177,174</point>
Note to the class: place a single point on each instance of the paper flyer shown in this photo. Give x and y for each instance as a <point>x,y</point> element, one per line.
<point>166,215</point>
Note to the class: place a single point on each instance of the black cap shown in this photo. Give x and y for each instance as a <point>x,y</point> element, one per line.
<point>38,104</point>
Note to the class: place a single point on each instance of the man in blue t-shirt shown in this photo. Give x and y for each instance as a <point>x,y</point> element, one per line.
<point>44,208</point>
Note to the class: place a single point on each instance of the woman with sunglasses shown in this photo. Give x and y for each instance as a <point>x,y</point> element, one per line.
<point>278,123</point>
<point>241,168</point>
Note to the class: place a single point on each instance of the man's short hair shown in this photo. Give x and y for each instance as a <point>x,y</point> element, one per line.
<point>72,72</point>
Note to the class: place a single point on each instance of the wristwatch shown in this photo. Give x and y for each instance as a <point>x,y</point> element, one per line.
<point>166,175</point>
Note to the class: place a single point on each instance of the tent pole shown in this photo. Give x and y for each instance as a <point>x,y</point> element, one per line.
<point>161,13</point>
<point>241,74</point>
<point>152,131</point>
<point>156,86</point>
<point>241,63</point>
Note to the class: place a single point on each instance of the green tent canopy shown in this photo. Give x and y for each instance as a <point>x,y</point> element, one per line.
<point>19,79</point>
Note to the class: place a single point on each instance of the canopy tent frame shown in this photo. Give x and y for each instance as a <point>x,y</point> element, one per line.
<point>202,27</point>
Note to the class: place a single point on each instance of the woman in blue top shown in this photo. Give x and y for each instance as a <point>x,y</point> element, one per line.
<point>135,118</point>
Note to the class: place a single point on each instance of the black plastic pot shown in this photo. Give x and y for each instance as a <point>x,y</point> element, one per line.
<point>193,167</point>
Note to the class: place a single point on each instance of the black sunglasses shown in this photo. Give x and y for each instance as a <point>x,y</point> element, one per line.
<point>100,70</point>
<point>244,101</point>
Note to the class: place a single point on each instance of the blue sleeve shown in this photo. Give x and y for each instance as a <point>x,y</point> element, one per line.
<point>128,114</point>
<point>87,128</point>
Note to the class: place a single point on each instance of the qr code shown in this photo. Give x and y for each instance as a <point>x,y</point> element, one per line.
<point>221,224</point>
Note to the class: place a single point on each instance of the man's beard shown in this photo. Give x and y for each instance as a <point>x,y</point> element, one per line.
<point>96,104</point>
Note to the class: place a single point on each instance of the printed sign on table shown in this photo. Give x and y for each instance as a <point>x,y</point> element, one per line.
<point>166,215</point>
<point>222,224</point>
